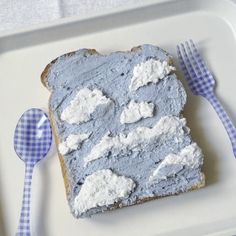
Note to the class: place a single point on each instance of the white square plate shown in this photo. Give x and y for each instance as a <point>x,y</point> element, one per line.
<point>23,56</point>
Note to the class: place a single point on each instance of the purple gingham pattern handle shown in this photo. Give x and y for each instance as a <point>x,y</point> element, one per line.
<point>24,224</point>
<point>231,130</point>
<point>201,82</point>
<point>32,141</point>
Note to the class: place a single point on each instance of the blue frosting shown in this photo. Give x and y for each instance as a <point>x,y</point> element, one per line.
<point>112,75</point>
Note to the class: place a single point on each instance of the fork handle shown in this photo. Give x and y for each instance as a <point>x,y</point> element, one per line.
<point>24,224</point>
<point>228,124</point>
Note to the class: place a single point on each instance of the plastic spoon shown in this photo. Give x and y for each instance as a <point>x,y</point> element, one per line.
<point>32,141</point>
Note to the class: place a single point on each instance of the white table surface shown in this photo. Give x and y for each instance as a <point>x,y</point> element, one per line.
<point>20,14</point>
<point>17,14</point>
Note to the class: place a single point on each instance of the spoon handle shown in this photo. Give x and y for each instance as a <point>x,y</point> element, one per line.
<point>24,224</point>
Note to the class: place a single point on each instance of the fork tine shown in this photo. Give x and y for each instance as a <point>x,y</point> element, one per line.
<point>188,64</point>
<point>182,64</point>
<point>199,58</point>
<point>194,60</point>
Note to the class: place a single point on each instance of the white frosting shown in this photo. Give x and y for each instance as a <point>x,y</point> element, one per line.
<point>72,142</point>
<point>190,156</point>
<point>136,111</point>
<point>167,125</point>
<point>149,71</point>
<point>102,188</point>
<point>83,105</point>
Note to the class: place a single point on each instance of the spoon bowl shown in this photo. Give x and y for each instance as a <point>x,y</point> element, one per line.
<point>33,136</point>
<point>32,142</point>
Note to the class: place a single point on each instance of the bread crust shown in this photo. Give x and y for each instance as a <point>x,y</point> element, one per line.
<point>61,157</point>
<point>119,205</point>
<point>46,71</point>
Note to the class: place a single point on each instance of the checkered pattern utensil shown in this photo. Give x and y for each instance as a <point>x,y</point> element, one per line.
<point>32,141</point>
<point>201,82</point>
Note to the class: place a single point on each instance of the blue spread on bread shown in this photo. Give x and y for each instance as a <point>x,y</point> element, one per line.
<point>149,154</point>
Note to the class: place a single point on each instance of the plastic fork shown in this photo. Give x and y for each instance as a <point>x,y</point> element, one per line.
<point>202,83</point>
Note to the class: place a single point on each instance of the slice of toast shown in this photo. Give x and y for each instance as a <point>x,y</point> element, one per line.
<point>118,127</point>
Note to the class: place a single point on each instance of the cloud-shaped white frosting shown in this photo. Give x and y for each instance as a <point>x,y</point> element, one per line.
<point>102,188</point>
